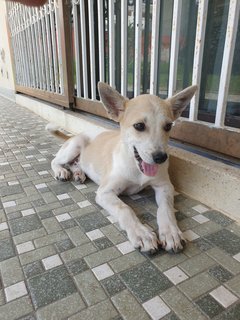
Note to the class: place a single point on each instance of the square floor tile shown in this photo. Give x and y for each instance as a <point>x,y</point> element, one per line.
<point>25,247</point>
<point>6,249</point>
<point>220,273</point>
<point>3,226</point>
<point>237,257</point>
<point>209,306</point>
<point>125,247</point>
<point>33,269</point>
<point>103,271</point>
<point>226,240</point>
<point>113,285</point>
<point>51,262</point>
<point>25,224</point>
<point>63,196</point>
<point>156,308</point>
<point>64,245</point>
<point>77,266</point>
<point>84,204</point>
<point>103,243</point>
<point>200,208</point>
<point>41,186</point>
<point>28,212</point>
<point>175,275</point>
<point>92,221</point>
<point>95,234</point>
<point>51,286</point>
<point>223,296</point>
<point>190,235</point>
<point>145,281</point>
<point>15,291</point>
<point>63,217</point>
<point>219,218</point>
<point>200,218</point>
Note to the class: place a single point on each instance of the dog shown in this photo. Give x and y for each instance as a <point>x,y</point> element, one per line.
<point>126,161</point>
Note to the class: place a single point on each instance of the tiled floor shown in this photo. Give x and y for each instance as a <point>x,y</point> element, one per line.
<point>62,257</point>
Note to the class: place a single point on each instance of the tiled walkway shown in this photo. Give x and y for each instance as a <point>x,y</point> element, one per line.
<point>62,257</point>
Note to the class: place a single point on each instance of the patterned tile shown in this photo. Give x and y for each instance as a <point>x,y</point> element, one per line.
<point>50,286</point>
<point>113,285</point>
<point>25,224</point>
<point>6,249</point>
<point>91,221</point>
<point>145,281</point>
<point>226,240</point>
<point>209,306</point>
<point>220,273</point>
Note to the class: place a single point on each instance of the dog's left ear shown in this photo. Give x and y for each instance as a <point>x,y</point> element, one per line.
<point>180,101</point>
<point>113,101</point>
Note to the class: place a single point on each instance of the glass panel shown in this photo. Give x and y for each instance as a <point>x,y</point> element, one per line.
<point>212,58</point>
<point>233,104</point>
<point>164,46</point>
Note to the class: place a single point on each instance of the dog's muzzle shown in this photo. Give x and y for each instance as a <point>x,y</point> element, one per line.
<point>146,168</point>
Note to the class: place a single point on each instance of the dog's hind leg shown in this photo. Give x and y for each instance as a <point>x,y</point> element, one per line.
<point>66,161</point>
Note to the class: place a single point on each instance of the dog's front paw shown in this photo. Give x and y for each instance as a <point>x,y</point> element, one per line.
<point>143,238</point>
<point>62,174</point>
<point>79,176</point>
<point>171,238</point>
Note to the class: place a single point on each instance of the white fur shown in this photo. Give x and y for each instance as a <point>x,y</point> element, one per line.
<point>123,174</point>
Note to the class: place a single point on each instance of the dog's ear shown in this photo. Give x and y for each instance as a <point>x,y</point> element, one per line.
<point>113,101</point>
<point>180,101</point>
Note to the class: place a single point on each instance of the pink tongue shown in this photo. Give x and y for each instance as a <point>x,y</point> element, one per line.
<point>149,169</point>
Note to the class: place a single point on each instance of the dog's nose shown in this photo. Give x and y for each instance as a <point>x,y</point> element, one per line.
<point>159,157</point>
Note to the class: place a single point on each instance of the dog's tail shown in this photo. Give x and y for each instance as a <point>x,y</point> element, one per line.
<point>58,131</point>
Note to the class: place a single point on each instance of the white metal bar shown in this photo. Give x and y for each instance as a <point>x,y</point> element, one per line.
<point>101,25</point>
<point>59,49</point>
<point>40,40</point>
<point>198,56</point>
<point>154,46</point>
<point>49,46</point>
<point>230,40</point>
<point>138,35</point>
<point>45,51</point>
<point>92,49</point>
<point>35,54</point>
<point>54,46</point>
<point>111,36</point>
<point>124,25</point>
<point>84,51</point>
<point>176,21</point>
<point>39,59</point>
<point>77,49</point>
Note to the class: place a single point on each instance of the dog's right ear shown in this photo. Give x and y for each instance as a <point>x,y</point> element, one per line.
<point>113,101</point>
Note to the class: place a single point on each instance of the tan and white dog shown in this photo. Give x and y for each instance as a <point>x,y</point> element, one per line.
<point>127,160</point>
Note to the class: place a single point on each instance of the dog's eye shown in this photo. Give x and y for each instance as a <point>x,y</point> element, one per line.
<point>139,126</point>
<point>168,127</point>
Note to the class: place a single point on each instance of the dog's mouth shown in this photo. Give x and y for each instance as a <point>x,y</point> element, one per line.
<point>146,168</point>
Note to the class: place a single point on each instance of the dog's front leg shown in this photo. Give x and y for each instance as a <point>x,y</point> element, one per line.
<point>169,234</point>
<point>140,236</point>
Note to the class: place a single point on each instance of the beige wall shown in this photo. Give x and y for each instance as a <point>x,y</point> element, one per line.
<point>6,74</point>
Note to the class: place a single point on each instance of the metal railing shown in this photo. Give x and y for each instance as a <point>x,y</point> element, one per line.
<point>137,46</point>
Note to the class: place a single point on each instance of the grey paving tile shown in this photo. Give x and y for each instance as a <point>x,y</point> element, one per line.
<point>232,313</point>
<point>220,273</point>
<point>209,306</point>
<point>11,271</point>
<point>16,308</point>
<point>128,306</point>
<point>197,264</point>
<point>51,286</point>
<point>64,245</point>
<point>33,269</point>
<point>113,285</point>
<point>101,311</point>
<point>6,249</point>
<point>225,240</point>
<point>102,256</point>
<point>61,309</point>
<point>218,217</point>
<point>90,288</point>
<point>77,266</point>
<point>103,243</point>
<point>91,221</point>
<point>145,281</point>
<point>25,224</point>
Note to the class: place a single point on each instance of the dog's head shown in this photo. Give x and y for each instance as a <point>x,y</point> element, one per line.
<point>145,123</point>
